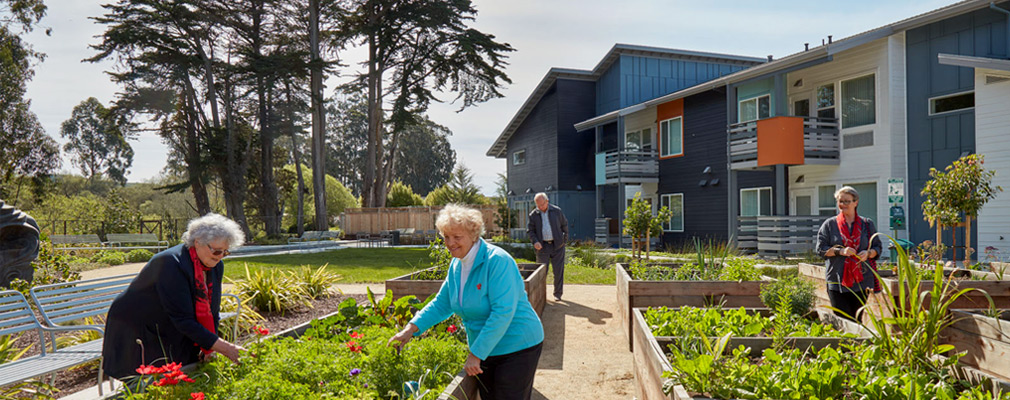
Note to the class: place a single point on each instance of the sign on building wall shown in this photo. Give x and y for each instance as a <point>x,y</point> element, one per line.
<point>896,190</point>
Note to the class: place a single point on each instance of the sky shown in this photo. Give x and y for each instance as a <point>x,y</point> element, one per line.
<point>545,34</point>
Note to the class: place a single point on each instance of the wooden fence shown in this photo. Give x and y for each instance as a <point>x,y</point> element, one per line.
<point>375,220</point>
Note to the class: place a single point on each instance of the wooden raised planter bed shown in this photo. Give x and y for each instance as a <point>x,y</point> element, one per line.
<point>534,280</point>
<point>985,340</point>
<point>651,360</point>
<point>632,293</point>
<point>999,290</point>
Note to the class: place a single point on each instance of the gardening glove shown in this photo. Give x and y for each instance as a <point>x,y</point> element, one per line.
<point>472,366</point>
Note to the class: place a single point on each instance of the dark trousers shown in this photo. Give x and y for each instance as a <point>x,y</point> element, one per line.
<point>849,302</point>
<point>554,256</point>
<point>509,376</point>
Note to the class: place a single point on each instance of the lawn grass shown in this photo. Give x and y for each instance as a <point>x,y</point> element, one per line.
<point>353,265</point>
<point>377,265</point>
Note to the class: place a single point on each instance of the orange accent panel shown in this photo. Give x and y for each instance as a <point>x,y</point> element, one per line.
<point>780,141</point>
<point>665,111</point>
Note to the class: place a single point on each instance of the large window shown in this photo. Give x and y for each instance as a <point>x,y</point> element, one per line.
<point>755,108</point>
<point>519,157</point>
<point>951,103</point>
<point>755,202</point>
<point>671,137</point>
<point>826,101</point>
<point>858,102</point>
<point>675,203</point>
<point>640,140</point>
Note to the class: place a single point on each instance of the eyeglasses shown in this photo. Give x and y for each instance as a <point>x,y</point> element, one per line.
<point>217,252</point>
<point>847,202</point>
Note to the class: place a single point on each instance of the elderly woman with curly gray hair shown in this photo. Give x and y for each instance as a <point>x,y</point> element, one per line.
<point>170,311</point>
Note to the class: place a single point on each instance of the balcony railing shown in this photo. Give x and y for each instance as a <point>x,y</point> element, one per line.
<point>820,141</point>
<point>778,235</point>
<point>627,166</point>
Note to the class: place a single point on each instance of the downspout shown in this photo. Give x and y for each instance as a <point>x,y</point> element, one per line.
<point>992,5</point>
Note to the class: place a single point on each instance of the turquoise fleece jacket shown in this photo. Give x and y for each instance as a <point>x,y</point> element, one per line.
<point>496,313</point>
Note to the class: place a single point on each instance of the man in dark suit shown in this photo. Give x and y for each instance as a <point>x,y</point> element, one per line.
<point>548,231</point>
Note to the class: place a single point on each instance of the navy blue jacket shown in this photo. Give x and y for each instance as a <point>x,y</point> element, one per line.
<point>559,225</point>
<point>159,309</point>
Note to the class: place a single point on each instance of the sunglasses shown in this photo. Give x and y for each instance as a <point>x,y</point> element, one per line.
<point>217,252</point>
<point>846,202</point>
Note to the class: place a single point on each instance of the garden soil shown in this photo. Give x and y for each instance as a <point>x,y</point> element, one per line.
<point>583,355</point>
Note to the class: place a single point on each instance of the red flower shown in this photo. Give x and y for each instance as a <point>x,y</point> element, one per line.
<point>357,335</point>
<point>196,396</point>
<point>261,331</point>
<point>171,367</point>
<point>353,346</point>
<point>478,286</point>
<point>451,329</point>
<point>166,381</point>
<point>148,370</point>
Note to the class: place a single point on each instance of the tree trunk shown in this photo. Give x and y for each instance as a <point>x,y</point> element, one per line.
<point>194,163</point>
<point>318,121</point>
<point>296,155</point>
<point>967,241</point>
<point>648,243</point>
<point>233,177</point>
<point>373,149</point>
<point>268,185</point>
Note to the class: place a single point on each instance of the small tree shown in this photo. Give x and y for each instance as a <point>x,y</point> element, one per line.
<point>401,195</point>
<point>962,188</point>
<point>640,222</point>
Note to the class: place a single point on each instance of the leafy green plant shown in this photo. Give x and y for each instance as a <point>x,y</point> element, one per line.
<point>50,267</point>
<point>796,293</point>
<point>110,257</point>
<point>641,224</point>
<point>272,291</point>
<point>717,321</point>
<point>139,255</point>
<point>440,261</point>
<point>318,282</point>
<point>964,187</point>
<point>248,318</point>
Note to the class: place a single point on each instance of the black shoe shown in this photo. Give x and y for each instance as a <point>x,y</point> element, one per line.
<point>557,298</point>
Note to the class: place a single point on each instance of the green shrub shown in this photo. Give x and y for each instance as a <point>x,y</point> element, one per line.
<point>272,291</point>
<point>440,260</point>
<point>139,255</point>
<point>717,321</point>
<point>110,257</point>
<point>798,292</point>
<point>520,251</point>
<point>590,255</point>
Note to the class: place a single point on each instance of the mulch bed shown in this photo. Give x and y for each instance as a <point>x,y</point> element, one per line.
<point>72,381</point>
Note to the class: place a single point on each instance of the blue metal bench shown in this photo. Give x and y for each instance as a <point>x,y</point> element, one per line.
<point>16,317</point>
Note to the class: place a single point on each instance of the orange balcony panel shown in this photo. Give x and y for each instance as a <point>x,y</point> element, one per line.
<point>780,141</point>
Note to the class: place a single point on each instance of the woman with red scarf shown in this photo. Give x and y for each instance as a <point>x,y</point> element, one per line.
<point>171,310</point>
<point>849,247</point>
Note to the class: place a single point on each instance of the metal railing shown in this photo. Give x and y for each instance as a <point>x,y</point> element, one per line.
<point>631,166</point>
<point>820,142</point>
<point>778,235</point>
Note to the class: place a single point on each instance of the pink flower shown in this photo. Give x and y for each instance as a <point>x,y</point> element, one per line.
<point>451,329</point>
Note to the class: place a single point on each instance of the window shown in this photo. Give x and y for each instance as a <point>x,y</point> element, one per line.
<point>801,108</point>
<point>755,108</point>
<point>826,101</point>
<point>858,102</point>
<point>755,202</point>
<point>671,137</point>
<point>826,200</point>
<point>675,203</point>
<point>640,140</point>
<point>950,103</point>
<point>519,157</point>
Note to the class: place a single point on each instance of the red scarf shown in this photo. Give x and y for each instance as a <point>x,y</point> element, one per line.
<point>852,273</point>
<point>203,293</point>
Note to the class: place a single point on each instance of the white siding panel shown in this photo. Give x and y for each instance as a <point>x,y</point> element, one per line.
<point>641,119</point>
<point>992,139</point>
<point>886,158</point>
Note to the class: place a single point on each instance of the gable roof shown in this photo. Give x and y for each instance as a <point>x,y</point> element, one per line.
<point>498,149</point>
<point>795,59</point>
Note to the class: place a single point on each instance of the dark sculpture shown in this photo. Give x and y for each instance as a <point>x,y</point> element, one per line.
<point>19,244</point>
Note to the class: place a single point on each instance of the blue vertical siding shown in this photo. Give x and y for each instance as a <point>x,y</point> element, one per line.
<point>634,79</point>
<point>935,141</point>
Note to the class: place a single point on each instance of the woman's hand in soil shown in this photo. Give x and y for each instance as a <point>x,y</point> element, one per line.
<point>402,337</point>
<point>472,366</point>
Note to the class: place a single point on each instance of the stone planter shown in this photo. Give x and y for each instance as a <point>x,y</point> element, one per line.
<point>534,280</point>
<point>651,360</point>
<point>632,293</point>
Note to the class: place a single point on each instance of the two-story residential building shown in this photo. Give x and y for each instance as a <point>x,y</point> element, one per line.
<point>582,173</point>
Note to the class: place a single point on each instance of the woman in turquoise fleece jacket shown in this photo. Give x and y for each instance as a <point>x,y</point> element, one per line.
<point>485,289</point>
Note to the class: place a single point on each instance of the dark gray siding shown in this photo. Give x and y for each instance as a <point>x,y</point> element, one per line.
<point>705,207</point>
<point>538,136</point>
<point>575,149</point>
<point>936,141</point>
